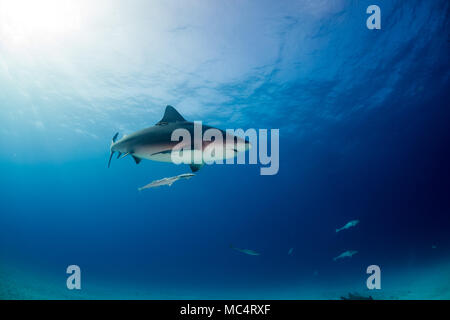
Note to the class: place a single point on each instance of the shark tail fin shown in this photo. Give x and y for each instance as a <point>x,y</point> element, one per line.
<point>110,157</point>
<point>113,140</point>
<point>337,230</point>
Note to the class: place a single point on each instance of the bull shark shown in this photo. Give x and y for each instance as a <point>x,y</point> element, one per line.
<point>346,254</point>
<point>155,143</point>
<point>246,251</point>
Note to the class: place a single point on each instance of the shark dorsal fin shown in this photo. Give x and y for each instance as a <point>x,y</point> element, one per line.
<point>171,115</point>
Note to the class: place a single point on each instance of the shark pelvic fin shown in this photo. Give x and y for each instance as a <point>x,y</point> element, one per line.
<point>195,167</point>
<point>171,115</point>
<point>137,160</point>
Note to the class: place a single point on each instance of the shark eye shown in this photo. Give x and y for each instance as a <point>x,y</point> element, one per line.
<point>162,123</point>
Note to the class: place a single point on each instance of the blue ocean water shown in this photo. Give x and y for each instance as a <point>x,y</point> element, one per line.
<point>363,118</point>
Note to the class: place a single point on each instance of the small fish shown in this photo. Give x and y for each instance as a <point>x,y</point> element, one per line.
<point>290,251</point>
<point>246,251</point>
<point>356,296</point>
<point>350,224</point>
<point>167,181</point>
<point>346,254</point>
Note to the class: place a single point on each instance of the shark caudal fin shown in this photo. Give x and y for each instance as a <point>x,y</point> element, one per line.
<point>110,157</point>
<point>171,115</point>
<point>114,139</point>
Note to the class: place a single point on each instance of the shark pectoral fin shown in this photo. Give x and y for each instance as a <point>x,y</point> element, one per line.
<point>136,159</point>
<point>195,167</point>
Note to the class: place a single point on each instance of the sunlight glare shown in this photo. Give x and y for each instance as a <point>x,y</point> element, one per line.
<point>26,20</point>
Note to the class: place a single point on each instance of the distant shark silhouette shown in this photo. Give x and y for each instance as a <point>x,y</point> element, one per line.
<point>346,254</point>
<point>154,143</point>
<point>349,224</point>
<point>246,251</point>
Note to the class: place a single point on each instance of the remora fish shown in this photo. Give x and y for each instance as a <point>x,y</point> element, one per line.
<point>167,181</point>
<point>350,224</point>
<point>346,254</point>
<point>155,143</point>
<point>246,251</point>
